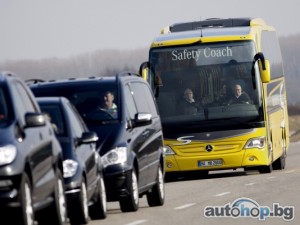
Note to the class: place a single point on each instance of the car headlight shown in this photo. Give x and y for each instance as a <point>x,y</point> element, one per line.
<point>168,150</point>
<point>70,168</point>
<point>258,142</point>
<point>7,154</point>
<point>115,156</point>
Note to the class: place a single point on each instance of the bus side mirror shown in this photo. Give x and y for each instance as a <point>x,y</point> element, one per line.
<point>265,71</point>
<point>145,73</point>
<point>144,70</point>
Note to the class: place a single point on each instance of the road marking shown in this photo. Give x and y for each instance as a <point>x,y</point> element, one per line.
<point>185,206</point>
<point>222,194</point>
<point>271,177</point>
<point>137,222</point>
<point>290,171</point>
<point>249,184</point>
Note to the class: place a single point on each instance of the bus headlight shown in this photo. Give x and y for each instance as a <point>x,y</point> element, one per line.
<point>168,150</point>
<point>259,142</point>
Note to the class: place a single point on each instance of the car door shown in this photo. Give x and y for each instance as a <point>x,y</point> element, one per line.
<point>151,134</point>
<point>36,143</point>
<point>85,152</point>
<point>134,136</point>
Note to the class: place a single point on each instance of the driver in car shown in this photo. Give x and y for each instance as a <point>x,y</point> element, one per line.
<point>108,104</point>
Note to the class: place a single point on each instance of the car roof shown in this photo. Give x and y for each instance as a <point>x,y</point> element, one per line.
<point>86,80</point>
<point>74,81</point>
<point>52,99</point>
<point>4,75</point>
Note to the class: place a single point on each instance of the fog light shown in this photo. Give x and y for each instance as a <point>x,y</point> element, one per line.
<point>169,165</point>
<point>251,159</point>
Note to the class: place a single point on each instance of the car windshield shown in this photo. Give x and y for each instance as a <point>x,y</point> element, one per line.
<point>95,103</point>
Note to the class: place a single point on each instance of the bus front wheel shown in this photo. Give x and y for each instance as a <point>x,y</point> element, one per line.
<point>265,169</point>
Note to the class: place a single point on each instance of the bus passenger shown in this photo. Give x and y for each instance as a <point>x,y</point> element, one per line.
<point>221,96</point>
<point>239,96</point>
<point>188,105</point>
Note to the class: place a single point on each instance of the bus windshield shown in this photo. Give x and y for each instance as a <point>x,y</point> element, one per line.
<point>208,84</point>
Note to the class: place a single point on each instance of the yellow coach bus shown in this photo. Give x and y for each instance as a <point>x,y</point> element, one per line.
<point>220,90</point>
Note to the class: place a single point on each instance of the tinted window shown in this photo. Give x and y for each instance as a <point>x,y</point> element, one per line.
<point>77,127</point>
<point>272,52</point>
<point>87,98</point>
<point>131,108</point>
<point>143,98</point>
<point>22,100</point>
<point>3,107</point>
<point>54,113</point>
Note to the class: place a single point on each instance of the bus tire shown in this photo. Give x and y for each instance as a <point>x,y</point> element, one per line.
<point>265,169</point>
<point>279,163</point>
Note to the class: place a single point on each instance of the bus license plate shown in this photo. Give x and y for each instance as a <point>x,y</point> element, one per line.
<point>210,163</point>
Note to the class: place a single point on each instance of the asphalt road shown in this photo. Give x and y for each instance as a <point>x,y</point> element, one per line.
<point>264,199</point>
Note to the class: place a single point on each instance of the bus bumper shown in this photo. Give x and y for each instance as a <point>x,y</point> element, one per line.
<point>241,159</point>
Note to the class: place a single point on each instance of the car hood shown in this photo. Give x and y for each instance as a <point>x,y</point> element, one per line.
<point>110,135</point>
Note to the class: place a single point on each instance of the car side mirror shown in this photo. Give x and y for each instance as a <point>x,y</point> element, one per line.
<point>88,137</point>
<point>33,119</point>
<point>142,119</point>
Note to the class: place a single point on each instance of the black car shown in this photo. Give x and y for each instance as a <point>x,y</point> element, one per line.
<point>83,177</point>
<point>31,180</point>
<point>130,133</point>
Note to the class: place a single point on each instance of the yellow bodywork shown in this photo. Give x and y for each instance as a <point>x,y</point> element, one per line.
<point>230,150</point>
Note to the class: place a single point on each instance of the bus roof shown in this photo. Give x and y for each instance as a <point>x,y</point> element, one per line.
<point>210,30</point>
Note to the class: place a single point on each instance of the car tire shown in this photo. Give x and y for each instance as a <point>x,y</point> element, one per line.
<point>27,214</point>
<point>99,209</point>
<point>56,213</point>
<point>130,203</point>
<point>80,210</point>
<point>156,196</point>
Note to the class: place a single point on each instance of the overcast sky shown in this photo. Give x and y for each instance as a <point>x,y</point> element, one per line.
<point>36,29</point>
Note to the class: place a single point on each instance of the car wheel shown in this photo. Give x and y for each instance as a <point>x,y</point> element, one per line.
<point>130,203</point>
<point>99,209</point>
<point>27,213</point>
<point>56,213</point>
<point>79,211</point>
<point>156,196</point>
